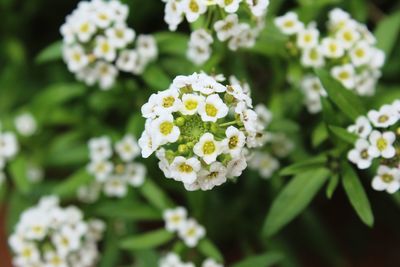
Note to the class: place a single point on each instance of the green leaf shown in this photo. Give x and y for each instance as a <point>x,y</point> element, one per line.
<point>128,211</point>
<point>356,194</point>
<point>265,260</point>
<point>387,33</point>
<point>343,98</point>
<point>18,170</point>
<point>156,78</point>
<point>136,124</point>
<point>208,249</point>
<point>319,135</point>
<point>68,188</point>
<point>343,134</point>
<point>148,240</point>
<point>155,195</point>
<point>51,53</point>
<point>110,252</point>
<point>305,165</point>
<point>332,185</point>
<point>172,43</point>
<point>294,198</point>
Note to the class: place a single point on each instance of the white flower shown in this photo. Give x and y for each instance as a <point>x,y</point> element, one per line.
<point>66,241</point>
<point>104,49</point>
<point>345,74</point>
<point>385,117</point>
<point>191,103</point>
<point>307,38</point>
<point>362,127</point>
<point>26,124</point>
<point>89,193</point>
<point>198,53</point>
<point>230,6</point>
<point>360,154</point>
<point>264,163</point>
<point>234,142</point>
<point>134,174</point>
<point>163,164</point>
<point>193,9</point>
<point>173,14</point>
<point>191,232</point>
<point>211,263</point>
<point>338,17</point>
<point>236,166</point>
<point>382,144</point>
<point>103,16</point>
<point>227,27</point>
<point>207,148</point>
<point>185,170</point>
<point>100,148</point>
<point>377,58</point>
<point>289,23</point>
<point>127,148</point>
<point>164,130</point>
<point>347,36</point>
<point>264,115</point>
<point>85,29</point>
<point>248,117</point>
<point>213,108</point>
<point>259,7</point>
<point>388,179</point>
<point>100,169</point>
<point>8,145</point>
<point>312,57</point>
<point>115,186</point>
<point>75,57</point>
<point>167,101</point>
<point>106,74</point>
<point>361,53</point>
<point>207,85</point>
<point>120,35</point>
<point>175,218</point>
<point>147,145</point>
<point>54,260</point>
<point>147,47</point>
<point>215,176</point>
<point>332,48</point>
<point>173,260</point>
<point>34,173</point>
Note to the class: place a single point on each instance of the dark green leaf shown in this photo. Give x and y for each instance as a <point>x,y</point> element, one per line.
<point>69,187</point>
<point>305,165</point>
<point>208,249</point>
<point>356,194</point>
<point>172,43</point>
<point>50,53</point>
<point>264,260</point>
<point>294,198</point>
<point>148,240</point>
<point>332,185</point>
<point>155,195</point>
<point>18,170</point>
<point>387,33</point>
<point>128,211</point>
<point>343,134</point>
<point>156,78</point>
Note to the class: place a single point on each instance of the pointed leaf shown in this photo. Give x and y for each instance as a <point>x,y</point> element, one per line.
<point>148,240</point>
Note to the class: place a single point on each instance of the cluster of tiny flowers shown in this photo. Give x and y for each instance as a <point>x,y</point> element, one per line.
<point>113,172</point>
<point>199,130</point>
<point>377,140</point>
<point>173,260</point>
<point>25,124</point>
<point>188,229</point>
<point>226,23</point>
<point>265,160</point>
<point>98,43</point>
<point>51,236</point>
<point>8,149</point>
<point>348,51</point>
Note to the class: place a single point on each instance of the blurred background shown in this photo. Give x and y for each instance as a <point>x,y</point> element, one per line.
<point>328,234</point>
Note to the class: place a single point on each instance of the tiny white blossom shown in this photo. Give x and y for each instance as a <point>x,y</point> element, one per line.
<point>387,179</point>
<point>360,155</point>
<point>382,144</point>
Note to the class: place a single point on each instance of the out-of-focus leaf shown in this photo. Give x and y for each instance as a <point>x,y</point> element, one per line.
<point>110,251</point>
<point>294,198</point>
<point>356,194</point>
<point>172,43</point>
<point>265,260</point>
<point>387,33</point>
<point>69,187</point>
<point>319,135</point>
<point>17,203</point>
<point>343,134</point>
<point>305,165</point>
<point>136,125</point>
<point>128,211</point>
<point>283,125</point>
<point>51,53</point>
<point>18,170</point>
<point>208,249</point>
<point>156,78</point>
<point>344,99</point>
<point>75,155</point>
<point>332,185</point>
<point>146,241</point>
<point>155,195</point>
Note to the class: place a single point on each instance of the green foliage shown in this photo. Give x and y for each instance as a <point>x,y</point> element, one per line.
<point>148,240</point>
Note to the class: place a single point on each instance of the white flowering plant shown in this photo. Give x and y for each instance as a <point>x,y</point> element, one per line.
<point>209,133</point>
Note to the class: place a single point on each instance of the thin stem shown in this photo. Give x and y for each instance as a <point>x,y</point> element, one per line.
<point>228,123</point>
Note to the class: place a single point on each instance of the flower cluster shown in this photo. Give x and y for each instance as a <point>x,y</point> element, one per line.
<point>199,130</point>
<point>113,171</point>
<point>377,140</point>
<point>348,51</point>
<point>274,146</point>
<point>98,43</point>
<point>224,17</point>
<point>25,124</point>
<point>188,229</point>
<point>8,149</point>
<point>49,235</point>
<point>173,260</point>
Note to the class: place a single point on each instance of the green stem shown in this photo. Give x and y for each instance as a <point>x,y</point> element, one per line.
<point>228,123</point>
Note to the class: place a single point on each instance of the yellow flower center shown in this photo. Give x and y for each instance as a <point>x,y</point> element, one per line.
<point>344,75</point>
<point>364,154</point>
<point>105,47</point>
<point>191,104</point>
<point>387,178</point>
<point>383,118</point>
<point>119,169</point>
<point>347,36</point>
<point>288,24</point>
<point>228,2</point>
<point>332,47</point>
<point>233,141</point>
<point>84,27</point>
<point>185,168</point>
<point>27,253</point>
<point>314,54</point>
<point>119,33</point>
<point>211,110</point>
<point>193,6</point>
<point>166,127</point>
<point>307,38</point>
<point>209,147</point>
<point>168,101</point>
<point>381,144</point>
<point>360,53</point>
